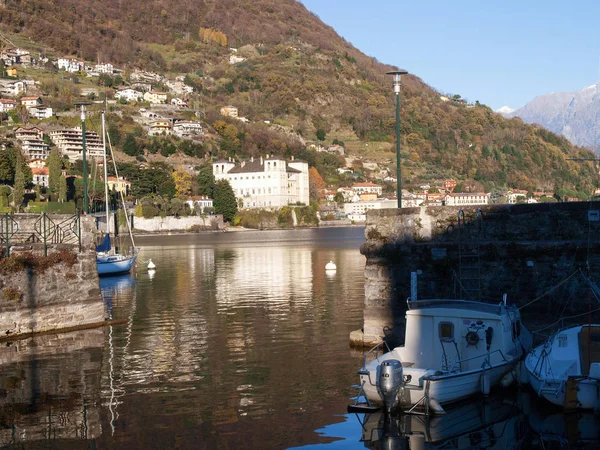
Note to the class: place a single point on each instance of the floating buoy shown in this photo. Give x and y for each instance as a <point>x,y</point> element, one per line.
<point>151,265</point>
<point>330,266</point>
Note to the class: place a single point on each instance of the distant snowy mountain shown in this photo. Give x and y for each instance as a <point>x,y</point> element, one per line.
<point>505,110</point>
<point>575,115</point>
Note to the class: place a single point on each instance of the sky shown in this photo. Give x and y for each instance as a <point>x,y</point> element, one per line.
<point>499,52</point>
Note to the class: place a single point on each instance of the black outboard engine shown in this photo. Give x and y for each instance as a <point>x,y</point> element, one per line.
<point>390,382</point>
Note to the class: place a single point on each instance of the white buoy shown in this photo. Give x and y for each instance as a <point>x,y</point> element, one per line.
<point>330,266</point>
<point>151,265</point>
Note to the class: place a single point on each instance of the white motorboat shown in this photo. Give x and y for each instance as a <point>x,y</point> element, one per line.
<point>565,370</point>
<point>453,349</point>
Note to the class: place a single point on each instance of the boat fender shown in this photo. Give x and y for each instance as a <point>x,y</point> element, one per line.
<point>472,338</point>
<point>507,379</point>
<point>489,332</point>
<point>435,406</point>
<point>485,383</point>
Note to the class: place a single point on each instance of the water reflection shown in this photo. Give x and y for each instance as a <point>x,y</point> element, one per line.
<point>505,420</point>
<point>50,388</point>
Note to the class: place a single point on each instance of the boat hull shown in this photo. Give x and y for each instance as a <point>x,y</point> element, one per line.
<point>554,368</point>
<point>113,265</point>
<point>443,389</point>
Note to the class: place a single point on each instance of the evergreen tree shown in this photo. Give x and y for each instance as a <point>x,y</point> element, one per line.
<point>206,181</point>
<point>54,171</point>
<point>7,173</point>
<point>224,200</point>
<point>19,190</point>
<point>130,146</point>
<point>62,189</point>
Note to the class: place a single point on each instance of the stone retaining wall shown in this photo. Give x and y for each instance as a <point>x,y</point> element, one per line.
<point>61,296</point>
<point>171,223</point>
<point>522,250</point>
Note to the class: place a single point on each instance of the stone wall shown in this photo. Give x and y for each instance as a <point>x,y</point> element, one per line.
<point>174,224</point>
<point>523,251</point>
<point>61,296</point>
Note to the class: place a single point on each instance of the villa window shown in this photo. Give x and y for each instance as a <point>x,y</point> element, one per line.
<point>446,331</point>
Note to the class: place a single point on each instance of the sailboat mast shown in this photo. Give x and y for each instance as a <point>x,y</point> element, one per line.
<point>105,175</point>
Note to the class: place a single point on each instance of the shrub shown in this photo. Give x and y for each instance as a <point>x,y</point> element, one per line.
<point>12,295</point>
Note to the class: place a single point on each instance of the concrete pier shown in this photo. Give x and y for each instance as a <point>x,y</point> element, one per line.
<point>477,253</point>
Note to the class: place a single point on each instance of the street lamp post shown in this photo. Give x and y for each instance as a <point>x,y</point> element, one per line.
<point>85,174</point>
<point>396,75</point>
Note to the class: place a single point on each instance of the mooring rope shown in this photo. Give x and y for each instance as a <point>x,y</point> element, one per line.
<point>550,290</point>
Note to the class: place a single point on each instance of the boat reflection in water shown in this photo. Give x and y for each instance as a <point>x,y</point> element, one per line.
<point>498,422</point>
<point>492,424</point>
<point>47,397</point>
<point>115,285</point>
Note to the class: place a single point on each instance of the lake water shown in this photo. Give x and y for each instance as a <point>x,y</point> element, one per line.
<point>237,340</point>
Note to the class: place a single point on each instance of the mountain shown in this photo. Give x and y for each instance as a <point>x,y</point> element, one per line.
<point>505,110</point>
<point>574,115</point>
<point>295,81</point>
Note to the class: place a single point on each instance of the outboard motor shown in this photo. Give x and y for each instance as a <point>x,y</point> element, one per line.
<point>390,381</point>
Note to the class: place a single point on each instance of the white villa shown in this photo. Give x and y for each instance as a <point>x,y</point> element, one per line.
<point>367,188</point>
<point>129,95</point>
<point>199,202</point>
<point>462,199</point>
<point>269,182</point>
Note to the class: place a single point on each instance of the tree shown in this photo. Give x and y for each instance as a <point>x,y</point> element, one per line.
<point>316,185</point>
<point>321,134</point>
<point>224,201</point>
<point>54,171</point>
<point>7,172</point>
<point>130,146</point>
<point>19,191</point>
<point>338,198</point>
<point>62,189</point>
<point>206,181</point>
<point>183,183</point>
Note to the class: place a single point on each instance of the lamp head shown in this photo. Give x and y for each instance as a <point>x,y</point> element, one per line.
<point>396,74</point>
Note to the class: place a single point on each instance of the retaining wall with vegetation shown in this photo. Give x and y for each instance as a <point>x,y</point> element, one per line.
<point>43,293</point>
<point>523,250</point>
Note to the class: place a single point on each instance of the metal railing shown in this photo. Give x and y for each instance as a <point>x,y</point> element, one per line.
<point>23,229</point>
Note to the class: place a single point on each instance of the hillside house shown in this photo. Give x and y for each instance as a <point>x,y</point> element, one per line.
<point>229,111</point>
<point>29,102</point>
<point>12,88</point>
<point>118,185</point>
<point>40,112</point>
<point>187,128</point>
<point>357,211</point>
<point>179,102</point>
<point>160,127</point>
<point>35,149</point>
<point>155,97</point>
<point>129,95</point>
<point>24,133</point>
<point>107,68</point>
<point>40,176</point>
<point>71,65</point>
<point>7,104</point>
<point>11,71</point>
<point>364,188</point>
<point>512,196</point>
<point>14,55</point>
<point>199,202</point>
<point>266,182</point>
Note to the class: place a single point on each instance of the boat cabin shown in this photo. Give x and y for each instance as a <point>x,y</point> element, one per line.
<point>458,336</point>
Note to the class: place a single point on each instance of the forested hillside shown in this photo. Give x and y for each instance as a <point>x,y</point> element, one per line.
<point>299,74</point>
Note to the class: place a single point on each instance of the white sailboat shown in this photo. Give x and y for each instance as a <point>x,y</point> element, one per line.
<point>107,261</point>
<point>453,349</point>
